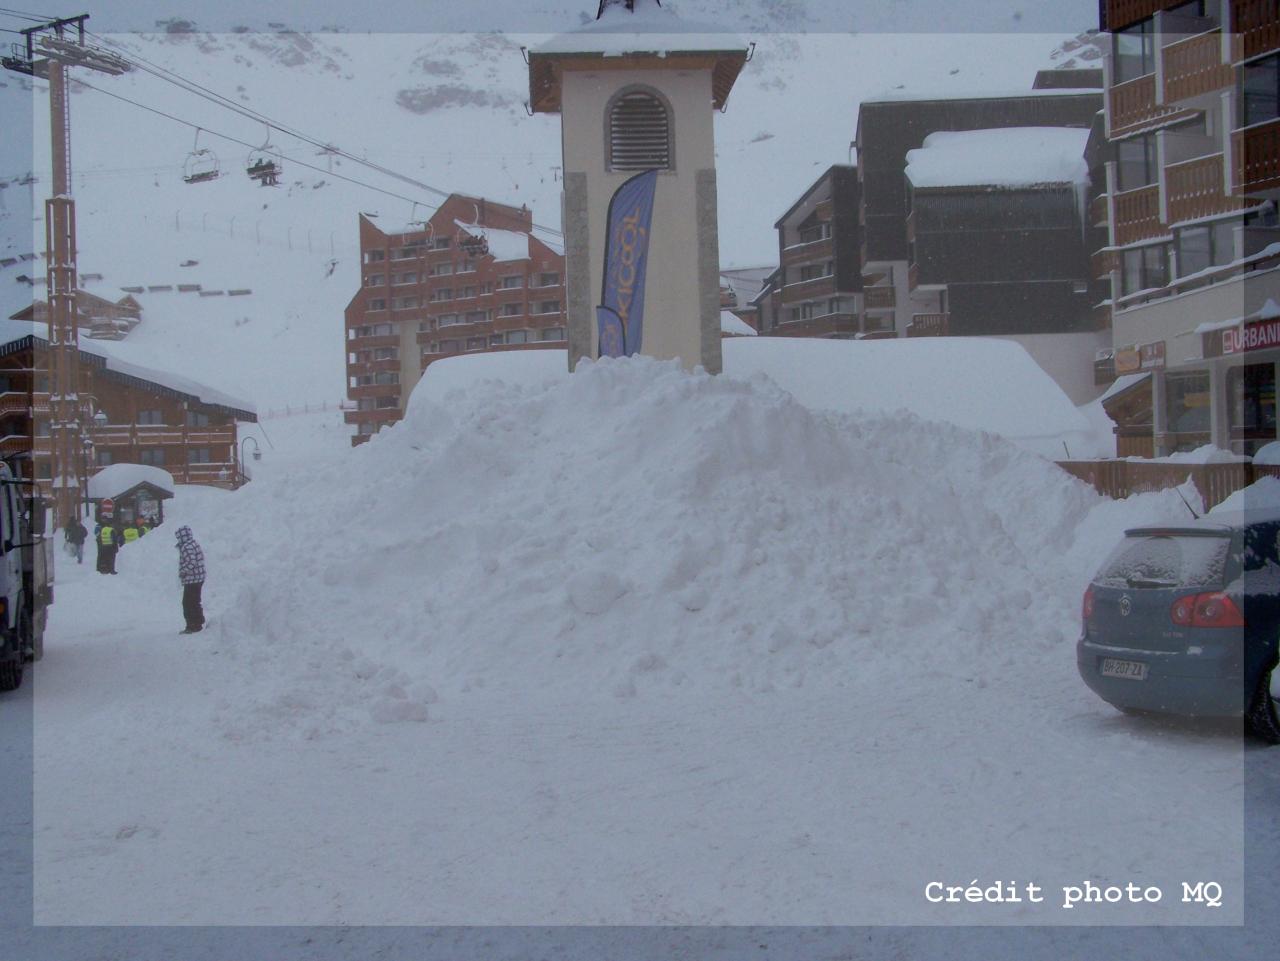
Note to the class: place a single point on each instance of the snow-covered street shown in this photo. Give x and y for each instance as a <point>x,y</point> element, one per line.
<point>699,765</point>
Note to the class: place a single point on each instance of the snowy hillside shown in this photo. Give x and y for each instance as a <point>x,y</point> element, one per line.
<point>444,109</point>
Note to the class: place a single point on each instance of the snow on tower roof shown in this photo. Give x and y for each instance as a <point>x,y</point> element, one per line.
<point>649,29</point>
<point>1008,157</point>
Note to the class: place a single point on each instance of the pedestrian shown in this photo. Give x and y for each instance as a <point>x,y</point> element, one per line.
<point>109,540</point>
<point>76,533</point>
<point>191,574</point>
<point>131,533</point>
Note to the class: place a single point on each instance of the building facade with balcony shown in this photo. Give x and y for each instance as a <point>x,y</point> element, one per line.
<point>139,416</point>
<point>887,130</point>
<point>477,276</point>
<point>1193,251</point>
<point>817,289</point>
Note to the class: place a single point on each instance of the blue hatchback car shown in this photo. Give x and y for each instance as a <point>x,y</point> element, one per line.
<point>1185,619</point>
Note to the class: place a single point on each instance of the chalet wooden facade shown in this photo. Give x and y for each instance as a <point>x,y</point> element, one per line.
<point>96,316</point>
<point>139,416</point>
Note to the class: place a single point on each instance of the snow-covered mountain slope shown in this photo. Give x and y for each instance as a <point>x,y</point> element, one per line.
<point>444,109</point>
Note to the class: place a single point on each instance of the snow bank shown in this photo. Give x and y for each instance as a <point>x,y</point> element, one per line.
<point>731,323</point>
<point>1009,157</point>
<point>637,528</point>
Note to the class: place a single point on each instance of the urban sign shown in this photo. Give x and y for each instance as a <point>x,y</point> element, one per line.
<point>1259,335</point>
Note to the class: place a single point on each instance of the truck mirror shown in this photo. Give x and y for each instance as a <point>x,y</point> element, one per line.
<point>37,516</point>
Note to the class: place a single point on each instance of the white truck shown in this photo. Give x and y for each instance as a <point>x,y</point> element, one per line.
<point>26,578</point>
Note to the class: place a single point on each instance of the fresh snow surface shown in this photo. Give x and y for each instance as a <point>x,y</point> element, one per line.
<point>1268,454</point>
<point>634,646</point>
<point>118,478</point>
<point>1263,495</point>
<point>1012,157</point>
<point>1206,454</point>
<point>731,323</point>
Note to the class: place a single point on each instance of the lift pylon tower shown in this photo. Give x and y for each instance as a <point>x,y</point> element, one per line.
<point>68,413</point>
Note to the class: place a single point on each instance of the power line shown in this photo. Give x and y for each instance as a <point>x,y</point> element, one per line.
<point>24,15</point>
<point>221,100</point>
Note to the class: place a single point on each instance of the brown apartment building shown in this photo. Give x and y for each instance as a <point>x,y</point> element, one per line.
<point>1193,258</point>
<point>476,276</point>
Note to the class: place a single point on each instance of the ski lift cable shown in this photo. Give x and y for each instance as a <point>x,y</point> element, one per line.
<point>252,146</point>
<point>27,15</point>
<point>198,89</point>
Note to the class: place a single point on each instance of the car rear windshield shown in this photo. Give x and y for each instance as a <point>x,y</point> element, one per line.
<point>1166,561</point>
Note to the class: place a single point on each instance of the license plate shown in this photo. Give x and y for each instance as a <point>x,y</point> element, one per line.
<point>1129,670</point>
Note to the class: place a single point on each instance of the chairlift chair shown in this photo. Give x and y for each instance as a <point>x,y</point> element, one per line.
<point>473,245</point>
<point>261,166</point>
<point>201,164</point>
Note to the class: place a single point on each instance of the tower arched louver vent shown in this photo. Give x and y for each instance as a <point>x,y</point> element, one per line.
<point>639,133</point>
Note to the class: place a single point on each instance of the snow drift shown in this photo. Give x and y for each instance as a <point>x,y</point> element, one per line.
<point>639,528</point>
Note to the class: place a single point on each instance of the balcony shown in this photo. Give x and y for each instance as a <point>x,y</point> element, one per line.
<point>824,325</point>
<point>1103,262</point>
<point>15,402</point>
<point>878,298</point>
<point>1256,27</point>
<point>1195,189</point>
<point>12,444</point>
<point>1099,211</point>
<point>808,290</point>
<point>161,435</point>
<point>1138,215</point>
<point>1194,66</point>
<point>1257,158</point>
<point>1132,105</point>
<point>804,253</point>
<point>929,325</point>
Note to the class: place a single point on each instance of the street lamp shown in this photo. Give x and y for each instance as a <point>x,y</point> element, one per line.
<point>257,454</point>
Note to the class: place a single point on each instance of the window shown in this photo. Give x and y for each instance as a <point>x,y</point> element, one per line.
<point>816,271</point>
<point>807,311</point>
<point>549,307</point>
<point>374,256</point>
<point>841,305</point>
<point>198,455</point>
<point>425,325</point>
<point>378,304</point>
<point>511,283</point>
<point>475,343</point>
<point>441,270</point>
<point>639,132</point>
<point>486,288</point>
<point>511,310</point>
<point>365,403</point>
<point>478,317</point>
<point>467,267</point>
<point>197,418</point>
<point>1260,90</point>
<point>1261,229</point>
<point>548,280</point>
<point>1145,268</point>
<point>407,303</point>
<point>448,320</point>
<point>385,378</point>
<point>153,456</point>
<point>382,330</point>
<point>816,232</point>
<point>1187,403</point>
<point>375,280</point>
<point>1134,51</point>
<point>1209,245</point>
<point>495,340</point>
<point>442,293</point>
<point>404,253</point>
<point>403,279</point>
<point>42,428</point>
<point>441,243</point>
<point>383,403</point>
<point>551,333</point>
<point>150,417</point>
<point>469,293</point>
<point>450,346</point>
<point>1136,162</point>
<point>518,337</point>
<point>104,458</point>
<point>386,353</point>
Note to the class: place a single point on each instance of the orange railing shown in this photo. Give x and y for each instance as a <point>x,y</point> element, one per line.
<point>1257,26</point>
<point>878,298</point>
<point>929,325</point>
<point>1138,215</point>
<point>1194,66</point>
<point>1257,157</point>
<point>1195,189</point>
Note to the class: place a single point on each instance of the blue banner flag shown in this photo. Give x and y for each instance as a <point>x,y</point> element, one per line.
<point>620,316</point>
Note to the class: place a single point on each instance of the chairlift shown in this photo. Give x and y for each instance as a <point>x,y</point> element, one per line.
<point>473,245</point>
<point>261,165</point>
<point>201,164</point>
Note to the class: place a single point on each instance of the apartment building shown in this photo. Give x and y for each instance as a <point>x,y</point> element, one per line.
<point>476,276</point>
<point>1193,253</point>
<point>887,130</point>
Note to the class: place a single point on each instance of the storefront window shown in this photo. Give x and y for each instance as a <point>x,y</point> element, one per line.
<point>1187,409</point>
<point>1252,411</point>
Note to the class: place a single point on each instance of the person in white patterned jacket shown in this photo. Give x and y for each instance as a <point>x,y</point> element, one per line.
<point>191,574</point>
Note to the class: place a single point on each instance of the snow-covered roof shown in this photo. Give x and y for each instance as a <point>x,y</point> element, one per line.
<point>120,478</point>
<point>1123,383</point>
<point>1008,157</point>
<point>650,29</point>
<point>730,323</point>
<point>1268,311</point>
<point>12,330</point>
<point>950,93</point>
<point>503,244</point>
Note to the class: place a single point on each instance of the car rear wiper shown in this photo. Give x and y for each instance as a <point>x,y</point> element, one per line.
<point>1148,582</point>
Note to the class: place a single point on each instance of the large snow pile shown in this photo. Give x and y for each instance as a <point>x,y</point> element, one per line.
<point>638,527</point>
<point>1009,157</point>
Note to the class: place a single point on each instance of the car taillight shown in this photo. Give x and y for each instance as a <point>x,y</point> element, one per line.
<point>1086,608</point>
<point>1214,609</point>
